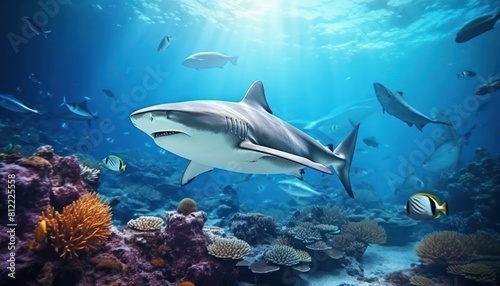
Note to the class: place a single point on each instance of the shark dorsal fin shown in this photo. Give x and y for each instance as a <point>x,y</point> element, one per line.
<point>256,97</point>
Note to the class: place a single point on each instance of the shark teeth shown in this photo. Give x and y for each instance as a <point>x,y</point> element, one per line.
<point>164,133</point>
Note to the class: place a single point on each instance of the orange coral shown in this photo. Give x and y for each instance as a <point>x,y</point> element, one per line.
<point>81,226</point>
<point>157,262</point>
<point>187,206</point>
<point>186,283</point>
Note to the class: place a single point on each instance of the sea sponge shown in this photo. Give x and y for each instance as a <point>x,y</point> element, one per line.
<point>187,206</point>
<point>366,231</point>
<point>146,223</point>
<point>282,255</point>
<point>477,272</point>
<point>232,248</point>
<point>157,262</point>
<point>442,247</point>
<point>82,225</point>
<point>37,163</point>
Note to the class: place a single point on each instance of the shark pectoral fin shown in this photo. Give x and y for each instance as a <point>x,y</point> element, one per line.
<point>288,156</point>
<point>193,169</point>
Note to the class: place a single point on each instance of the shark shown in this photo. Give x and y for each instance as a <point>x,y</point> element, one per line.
<point>394,104</point>
<point>242,137</point>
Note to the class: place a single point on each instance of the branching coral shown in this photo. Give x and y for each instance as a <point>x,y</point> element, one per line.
<point>305,232</point>
<point>333,216</point>
<point>282,255</point>
<point>441,247</point>
<point>82,225</point>
<point>146,223</point>
<point>89,174</point>
<point>366,231</point>
<point>477,272</point>
<point>418,280</point>
<point>232,248</point>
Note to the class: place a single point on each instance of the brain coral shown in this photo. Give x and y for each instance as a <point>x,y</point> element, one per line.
<point>366,231</point>
<point>232,248</point>
<point>82,225</point>
<point>282,255</point>
<point>187,206</point>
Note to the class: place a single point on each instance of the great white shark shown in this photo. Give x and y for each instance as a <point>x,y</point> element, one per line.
<point>242,137</point>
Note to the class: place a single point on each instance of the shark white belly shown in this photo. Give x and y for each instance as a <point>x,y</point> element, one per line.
<point>240,136</point>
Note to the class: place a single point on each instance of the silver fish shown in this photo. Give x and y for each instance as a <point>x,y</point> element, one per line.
<point>12,104</point>
<point>164,43</point>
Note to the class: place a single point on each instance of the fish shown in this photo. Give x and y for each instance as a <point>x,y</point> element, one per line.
<point>164,43</point>
<point>242,137</point>
<point>71,116</point>
<point>79,108</point>
<point>412,182</point>
<point>10,103</point>
<point>343,118</point>
<point>362,172</point>
<point>477,27</point>
<point>491,85</point>
<point>114,163</point>
<point>110,139</point>
<point>34,26</point>
<point>371,141</point>
<point>298,189</point>
<point>395,105</point>
<point>41,231</point>
<point>208,60</point>
<point>425,206</point>
<point>446,156</point>
<point>33,78</point>
<point>109,93</point>
<point>466,74</point>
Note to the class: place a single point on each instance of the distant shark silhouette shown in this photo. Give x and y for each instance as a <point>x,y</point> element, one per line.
<point>242,137</point>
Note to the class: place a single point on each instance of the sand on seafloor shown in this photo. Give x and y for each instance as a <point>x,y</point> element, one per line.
<point>378,261</point>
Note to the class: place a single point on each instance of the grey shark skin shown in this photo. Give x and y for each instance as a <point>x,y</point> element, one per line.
<point>395,105</point>
<point>242,137</point>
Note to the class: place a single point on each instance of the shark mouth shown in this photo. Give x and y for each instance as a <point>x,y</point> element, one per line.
<point>164,133</point>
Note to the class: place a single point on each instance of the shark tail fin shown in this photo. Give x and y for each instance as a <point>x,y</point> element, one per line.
<point>64,101</point>
<point>234,60</point>
<point>344,153</point>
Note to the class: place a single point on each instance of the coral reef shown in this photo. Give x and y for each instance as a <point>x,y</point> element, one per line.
<point>146,223</point>
<point>188,258</point>
<point>305,232</point>
<point>82,225</point>
<point>442,247</point>
<point>366,231</point>
<point>187,206</point>
<point>282,255</point>
<point>231,248</point>
<point>253,228</point>
<point>477,272</point>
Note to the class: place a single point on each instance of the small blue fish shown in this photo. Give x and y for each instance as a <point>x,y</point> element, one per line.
<point>114,163</point>
<point>34,26</point>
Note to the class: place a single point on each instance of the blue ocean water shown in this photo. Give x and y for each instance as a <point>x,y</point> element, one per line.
<point>312,57</point>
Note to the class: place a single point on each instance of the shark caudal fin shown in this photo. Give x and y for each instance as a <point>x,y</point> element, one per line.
<point>234,60</point>
<point>344,153</point>
<point>64,101</point>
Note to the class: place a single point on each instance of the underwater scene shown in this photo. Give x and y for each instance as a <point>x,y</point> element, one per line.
<point>240,143</point>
